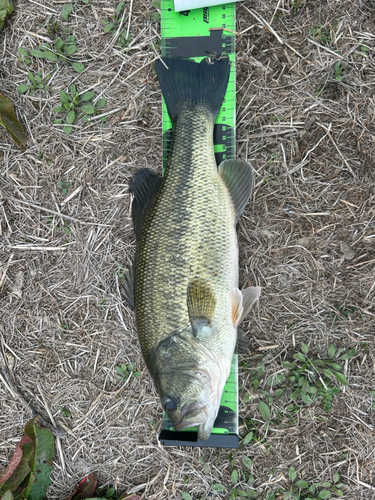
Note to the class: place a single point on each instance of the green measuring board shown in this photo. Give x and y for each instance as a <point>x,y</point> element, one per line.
<point>196,34</point>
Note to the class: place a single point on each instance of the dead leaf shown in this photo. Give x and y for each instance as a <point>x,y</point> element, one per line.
<point>18,284</point>
<point>304,242</point>
<point>347,251</point>
<point>9,121</point>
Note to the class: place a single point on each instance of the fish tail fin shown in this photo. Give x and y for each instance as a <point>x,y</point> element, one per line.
<point>186,83</point>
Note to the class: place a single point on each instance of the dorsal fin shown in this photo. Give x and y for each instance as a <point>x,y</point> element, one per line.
<point>201,304</point>
<point>127,287</point>
<point>238,177</point>
<point>144,185</point>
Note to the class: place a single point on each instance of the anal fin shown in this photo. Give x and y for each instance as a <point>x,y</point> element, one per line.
<point>238,177</point>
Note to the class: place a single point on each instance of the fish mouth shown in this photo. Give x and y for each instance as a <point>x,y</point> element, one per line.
<point>192,414</point>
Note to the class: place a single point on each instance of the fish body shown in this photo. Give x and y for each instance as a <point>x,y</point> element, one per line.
<point>186,295</point>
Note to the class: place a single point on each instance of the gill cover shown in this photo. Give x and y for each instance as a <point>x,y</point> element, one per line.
<point>189,380</point>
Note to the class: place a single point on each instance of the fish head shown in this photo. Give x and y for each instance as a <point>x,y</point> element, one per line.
<point>190,380</point>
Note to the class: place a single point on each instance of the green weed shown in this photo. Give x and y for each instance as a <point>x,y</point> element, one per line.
<point>342,312</point>
<point>65,412</point>
<point>308,379</point>
<point>6,8</point>
<point>155,16</point>
<point>66,10</point>
<point>296,5</point>
<point>108,494</point>
<point>52,27</point>
<point>340,73</point>
<point>112,25</point>
<point>66,48</point>
<point>125,371</point>
<point>270,177</point>
<point>303,490</point>
<point>187,496</point>
<point>77,106</point>
<point>63,51</point>
<point>120,271</point>
<point>322,32</point>
<point>37,82</point>
<point>63,185</point>
<point>24,56</point>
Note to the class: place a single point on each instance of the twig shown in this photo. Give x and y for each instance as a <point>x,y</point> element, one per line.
<point>6,378</point>
<point>326,49</point>
<point>224,29</point>
<point>274,12</point>
<point>303,162</point>
<point>117,34</point>
<point>39,248</point>
<point>54,212</point>
<point>142,67</point>
<point>93,118</point>
<point>130,16</point>
<point>339,152</point>
<point>6,270</point>
<point>264,23</point>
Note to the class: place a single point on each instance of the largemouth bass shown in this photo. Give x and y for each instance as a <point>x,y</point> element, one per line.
<point>186,297</point>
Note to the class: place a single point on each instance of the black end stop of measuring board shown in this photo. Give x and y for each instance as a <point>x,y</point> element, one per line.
<point>174,438</point>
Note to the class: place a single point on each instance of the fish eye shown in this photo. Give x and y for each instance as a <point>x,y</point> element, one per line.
<point>169,405</point>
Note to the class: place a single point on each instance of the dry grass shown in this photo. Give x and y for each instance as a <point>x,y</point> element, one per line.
<point>307,238</point>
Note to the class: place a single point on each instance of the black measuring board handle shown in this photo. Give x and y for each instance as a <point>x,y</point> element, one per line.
<point>172,438</point>
<point>217,43</point>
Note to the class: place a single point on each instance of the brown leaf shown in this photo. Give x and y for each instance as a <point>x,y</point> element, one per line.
<point>14,461</point>
<point>9,121</point>
<point>85,489</point>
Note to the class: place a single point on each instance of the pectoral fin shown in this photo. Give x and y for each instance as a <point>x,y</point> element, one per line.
<point>201,303</point>
<point>242,302</point>
<point>249,297</point>
<point>237,309</point>
<point>238,177</point>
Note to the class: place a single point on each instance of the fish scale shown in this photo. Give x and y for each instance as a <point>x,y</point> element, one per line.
<point>194,211</point>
